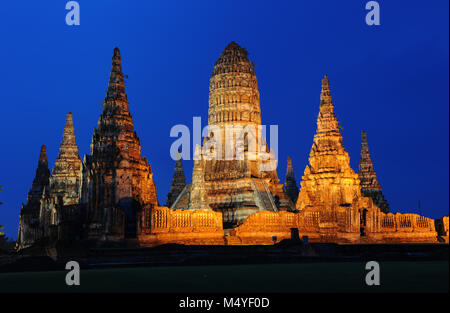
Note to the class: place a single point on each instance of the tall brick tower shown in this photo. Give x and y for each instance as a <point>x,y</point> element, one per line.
<point>116,178</point>
<point>238,171</point>
<point>370,187</point>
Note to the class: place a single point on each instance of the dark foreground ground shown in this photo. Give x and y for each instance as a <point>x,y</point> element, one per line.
<point>419,276</point>
<point>288,267</point>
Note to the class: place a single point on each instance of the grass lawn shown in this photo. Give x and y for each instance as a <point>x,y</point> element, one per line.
<point>303,277</point>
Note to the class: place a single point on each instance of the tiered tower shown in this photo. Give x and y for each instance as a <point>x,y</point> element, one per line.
<point>178,181</point>
<point>40,181</point>
<point>235,170</point>
<point>370,187</point>
<point>290,187</point>
<point>328,180</point>
<point>116,176</point>
<point>65,182</point>
<point>29,227</point>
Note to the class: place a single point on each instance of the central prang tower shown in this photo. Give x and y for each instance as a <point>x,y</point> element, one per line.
<point>236,175</point>
<point>234,95</point>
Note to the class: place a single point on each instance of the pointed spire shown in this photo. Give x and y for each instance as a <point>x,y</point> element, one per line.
<point>289,169</point>
<point>66,174</point>
<point>68,147</point>
<point>116,155</point>
<point>327,123</point>
<point>325,95</point>
<point>68,150</point>
<point>198,190</point>
<point>40,180</point>
<point>178,181</point>
<point>290,184</point>
<point>370,186</point>
<point>328,180</point>
<point>43,157</point>
<point>367,174</point>
<point>116,95</point>
<point>69,133</point>
<point>42,171</point>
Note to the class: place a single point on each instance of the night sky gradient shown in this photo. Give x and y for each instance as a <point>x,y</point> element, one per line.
<point>390,80</point>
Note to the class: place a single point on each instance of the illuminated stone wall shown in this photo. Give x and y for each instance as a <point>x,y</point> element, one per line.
<point>260,228</point>
<point>189,227</point>
<point>388,227</point>
<point>263,226</point>
<point>445,228</point>
<point>340,226</point>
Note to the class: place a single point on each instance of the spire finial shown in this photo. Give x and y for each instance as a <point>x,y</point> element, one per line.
<point>178,157</point>
<point>43,156</point>
<point>363,137</point>
<point>325,95</point>
<point>290,185</point>
<point>116,56</point>
<point>364,144</point>
<point>116,85</point>
<point>69,119</point>
<point>69,133</point>
<point>289,163</point>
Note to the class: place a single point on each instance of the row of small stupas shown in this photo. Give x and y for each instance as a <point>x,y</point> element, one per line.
<point>110,196</point>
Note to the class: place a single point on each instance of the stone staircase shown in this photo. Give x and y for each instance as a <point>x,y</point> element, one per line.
<point>264,195</point>
<point>232,240</point>
<point>229,239</point>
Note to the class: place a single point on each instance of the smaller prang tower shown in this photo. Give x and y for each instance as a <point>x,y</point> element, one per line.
<point>370,187</point>
<point>178,181</point>
<point>290,187</point>
<point>29,227</point>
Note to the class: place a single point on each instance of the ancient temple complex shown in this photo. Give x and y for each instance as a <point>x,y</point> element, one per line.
<point>235,197</point>
<point>370,186</point>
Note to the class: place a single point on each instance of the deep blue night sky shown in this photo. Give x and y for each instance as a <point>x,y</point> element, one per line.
<point>390,80</point>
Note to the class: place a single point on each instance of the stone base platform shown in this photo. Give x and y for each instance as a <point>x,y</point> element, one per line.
<point>151,240</point>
